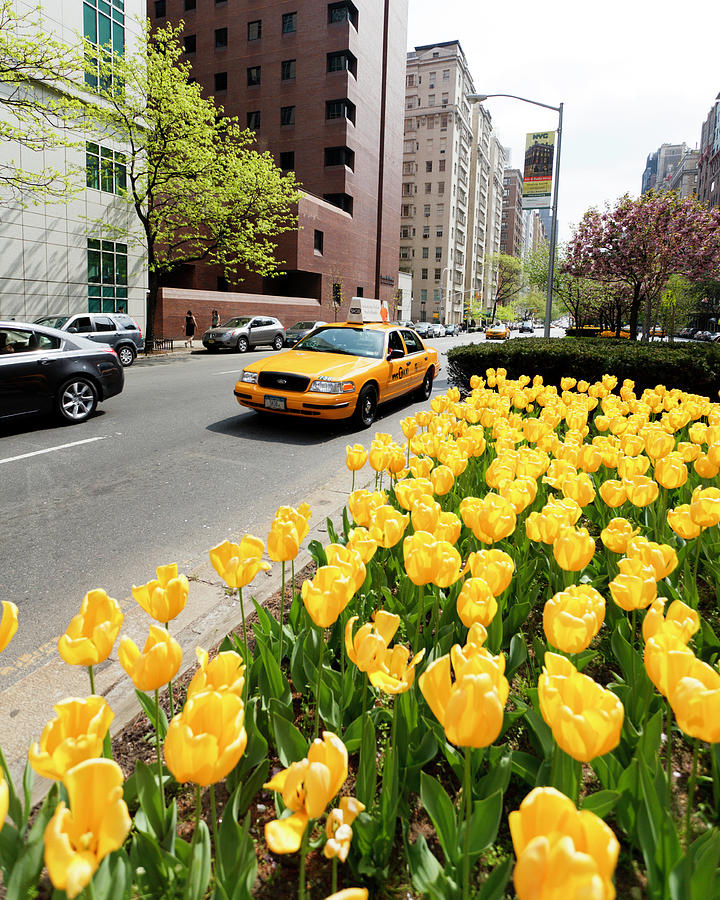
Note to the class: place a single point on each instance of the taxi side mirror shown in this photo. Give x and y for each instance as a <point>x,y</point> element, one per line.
<point>395,353</point>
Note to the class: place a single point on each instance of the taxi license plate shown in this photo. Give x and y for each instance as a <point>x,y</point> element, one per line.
<point>275,402</point>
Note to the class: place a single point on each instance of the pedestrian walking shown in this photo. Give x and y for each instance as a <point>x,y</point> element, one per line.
<point>215,320</point>
<point>190,326</point>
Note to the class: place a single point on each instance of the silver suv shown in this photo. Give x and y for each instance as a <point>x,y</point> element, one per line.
<point>118,330</point>
<point>244,332</point>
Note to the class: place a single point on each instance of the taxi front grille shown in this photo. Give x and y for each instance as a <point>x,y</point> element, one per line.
<point>283,381</point>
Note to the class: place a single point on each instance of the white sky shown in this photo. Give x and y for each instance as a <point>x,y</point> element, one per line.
<point>632,74</point>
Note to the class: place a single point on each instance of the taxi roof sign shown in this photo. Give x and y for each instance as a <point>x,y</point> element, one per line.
<point>367,309</point>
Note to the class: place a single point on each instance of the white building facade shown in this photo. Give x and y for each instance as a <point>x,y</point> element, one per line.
<point>85,253</point>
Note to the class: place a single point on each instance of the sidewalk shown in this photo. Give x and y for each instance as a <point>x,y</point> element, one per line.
<point>179,353</point>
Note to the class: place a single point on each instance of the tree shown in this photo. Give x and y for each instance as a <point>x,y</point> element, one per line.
<point>510,279</point>
<point>200,192</point>
<point>572,295</point>
<point>35,71</point>
<point>641,242</point>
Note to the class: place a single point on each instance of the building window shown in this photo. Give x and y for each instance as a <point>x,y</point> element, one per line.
<point>428,165</point>
<point>438,253</point>
<point>190,44</point>
<point>441,209</point>
<point>342,201</point>
<point>405,211</point>
<point>424,252</point>
<point>446,74</point>
<point>423,274</point>
<point>441,187</point>
<point>438,274</point>
<point>423,295</point>
<point>431,99</point>
<point>253,76</point>
<point>105,169</point>
<point>289,23</point>
<point>441,165</point>
<point>343,12</point>
<point>444,120</point>
<point>104,27</point>
<point>221,38</point>
<point>426,209</point>
<point>428,187</point>
<point>342,61</point>
<point>340,109</point>
<point>287,115</point>
<point>426,231</point>
<point>287,160</point>
<point>189,5</point>
<point>220,81</point>
<point>287,70</point>
<point>444,99</point>
<point>360,292</point>
<point>107,266</point>
<point>255,30</point>
<point>318,242</point>
<point>409,81</point>
<point>439,231</point>
<point>159,9</point>
<point>253,120</point>
<point>340,156</point>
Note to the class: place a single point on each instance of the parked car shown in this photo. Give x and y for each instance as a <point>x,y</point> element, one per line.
<point>497,332</point>
<point>119,330</point>
<point>423,328</point>
<point>405,323</point>
<point>297,331</point>
<point>245,332</point>
<point>341,370</point>
<point>436,330</point>
<point>452,330</point>
<point>526,328</point>
<point>45,370</point>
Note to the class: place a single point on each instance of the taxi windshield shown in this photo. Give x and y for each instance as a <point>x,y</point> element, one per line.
<point>350,341</point>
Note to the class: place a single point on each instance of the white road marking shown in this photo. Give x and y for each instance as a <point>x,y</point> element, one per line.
<point>52,449</point>
<point>231,372</point>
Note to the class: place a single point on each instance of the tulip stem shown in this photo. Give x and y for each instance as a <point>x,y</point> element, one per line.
<point>353,482</point>
<point>170,690</point>
<point>419,616</point>
<point>319,685</point>
<point>436,612</point>
<point>668,756</point>
<point>198,812</point>
<point>365,679</point>
<point>92,679</point>
<point>213,816</point>
<point>467,788</point>
<point>691,791</point>
<point>282,615</point>
<point>157,745</point>
<point>334,875</point>
<point>245,642</point>
<point>303,854</point>
<point>89,891</point>
<point>698,546</point>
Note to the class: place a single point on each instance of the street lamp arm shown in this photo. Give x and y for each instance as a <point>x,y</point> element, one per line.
<point>478,98</point>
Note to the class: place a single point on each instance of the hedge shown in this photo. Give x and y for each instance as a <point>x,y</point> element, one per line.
<point>690,366</point>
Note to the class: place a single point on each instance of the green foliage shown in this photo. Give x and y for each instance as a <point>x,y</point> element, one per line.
<point>690,367</point>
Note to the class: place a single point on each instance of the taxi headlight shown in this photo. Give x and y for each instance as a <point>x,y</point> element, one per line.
<point>249,377</point>
<point>332,387</point>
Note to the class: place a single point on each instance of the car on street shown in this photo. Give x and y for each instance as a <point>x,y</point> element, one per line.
<point>299,330</point>
<point>423,329</point>
<point>243,333</point>
<point>119,330</point>
<point>341,370</point>
<point>436,330</point>
<point>452,330</point>
<point>497,332</point>
<point>47,370</point>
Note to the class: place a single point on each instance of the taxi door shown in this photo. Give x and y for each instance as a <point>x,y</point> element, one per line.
<point>399,367</point>
<point>417,357</point>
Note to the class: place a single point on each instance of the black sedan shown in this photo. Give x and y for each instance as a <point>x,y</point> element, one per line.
<point>45,370</point>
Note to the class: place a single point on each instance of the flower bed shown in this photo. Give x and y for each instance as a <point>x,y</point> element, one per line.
<point>504,667</point>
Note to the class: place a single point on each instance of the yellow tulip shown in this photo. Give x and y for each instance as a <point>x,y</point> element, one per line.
<point>613,493</point>
<point>306,787</point>
<point>448,528</point>
<point>355,457</point>
<point>681,521</point>
<point>521,492</point>
<point>409,427</point>
<point>476,603</point>
<point>585,718</point>
<point>338,830</point>
<point>165,597</point>
<point>238,564</point>
<point>573,548</point>
<point>694,694</point>
<point>572,618</point>
<point>290,526</point>
<point>561,852</point>
<point>671,471</point>
<point>370,640</point>
<point>205,741</point>
<point>359,539</point>
<point>442,480</point>
<point>579,488</point>
<point>378,456</point>
<point>617,533</point>
<point>705,506</point>
<point>681,620</point>
<point>90,636</point>
<point>565,509</point>
<point>327,595</point>
<point>8,624</point>
<point>662,652</point>
<point>225,672</point>
<point>350,563</point>
<point>632,444</point>
<point>76,734</point>
<point>641,490</point>
<point>589,458</point>
<point>558,471</point>
<point>395,671</point>
<point>494,566</point>
<point>705,467</point>
<point>4,799</point>
<point>540,527</point>
<point>156,665</point>
<point>428,560</point>
<point>658,443</point>
<point>362,505</point>
<point>661,558</point>
<point>502,468</point>
<point>630,466</point>
<point>425,513</point>
<point>421,467</point>
<point>491,519</point>
<point>635,586</point>
<point>407,491</point>
<point>388,526</point>
<point>97,822</point>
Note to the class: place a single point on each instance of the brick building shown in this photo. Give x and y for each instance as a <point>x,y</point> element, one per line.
<point>708,185</point>
<point>511,232</point>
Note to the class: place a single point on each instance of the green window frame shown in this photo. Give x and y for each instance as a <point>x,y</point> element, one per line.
<point>103,27</point>
<point>107,275</point>
<point>105,169</point>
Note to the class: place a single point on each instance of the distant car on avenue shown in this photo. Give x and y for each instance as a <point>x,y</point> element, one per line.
<point>497,332</point>
<point>245,332</point>
<point>526,327</point>
<point>423,329</point>
<point>297,331</point>
<point>341,370</point>
<point>46,370</point>
<point>119,330</point>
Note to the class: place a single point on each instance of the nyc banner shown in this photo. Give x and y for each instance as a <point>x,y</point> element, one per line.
<point>537,177</point>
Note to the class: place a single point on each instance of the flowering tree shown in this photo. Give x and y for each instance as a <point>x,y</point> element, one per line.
<point>641,242</point>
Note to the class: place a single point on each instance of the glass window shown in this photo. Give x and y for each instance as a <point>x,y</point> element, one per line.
<point>287,115</point>
<point>102,323</point>
<point>107,181</point>
<point>253,120</point>
<point>108,267</point>
<point>253,75</point>
<point>255,30</point>
<point>189,4</point>
<point>342,60</point>
<point>287,160</point>
<point>412,341</point>
<point>289,23</point>
<point>92,166</point>
<point>340,109</point>
<point>395,342</point>
<point>221,38</point>
<point>104,26</point>
<point>287,69</point>
<point>190,43</point>
<point>342,201</point>
<point>318,241</point>
<point>350,341</point>
<point>425,253</point>
<point>340,156</point>
<point>220,81</point>
<point>159,9</point>
<point>345,11</point>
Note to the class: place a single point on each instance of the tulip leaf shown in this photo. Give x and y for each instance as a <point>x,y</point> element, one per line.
<point>148,704</point>
<point>484,824</point>
<point>112,880</point>
<point>498,776</point>
<point>656,832</point>
<point>696,875</point>
<point>14,806</point>
<point>317,551</point>
<point>366,782</point>
<point>427,874</point>
<point>253,785</point>
<point>271,681</point>
<point>332,533</point>
<point>267,625</point>
<point>517,614</point>
<point>235,860</point>
<point>540,729</point>
<point>150,801</point>
<point>297,669</point>
<point>494,887</point>
<point>200,864</point>
<point>601,802</point>
<point>27,782</point>
<point>517,656</point>
<point>526,766</point>
<point>289,742</point>
<point>442,813</point>
<point>28,863</point>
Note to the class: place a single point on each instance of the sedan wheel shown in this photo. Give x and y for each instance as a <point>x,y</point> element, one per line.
<point>77,400</point>
<point>242,345</point>
<point>425,388</point>
<point>366,408</point>
<point>126,356</point>
<point>278,342</point>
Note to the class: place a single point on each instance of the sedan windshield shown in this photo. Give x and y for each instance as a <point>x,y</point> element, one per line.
<point>301,326</point>
<point>236,323</point>
<point>52,321</point>
<point>350,341</point>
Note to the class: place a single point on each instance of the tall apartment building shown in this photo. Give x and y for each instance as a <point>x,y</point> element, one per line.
<point>661,165</point>
<point>511,234</point>
<point>58,258</point>
<point>534,234</point>
<point>436,179</point>
<point>708,187</point>
<point>684,177</point>
<point>321,85</point>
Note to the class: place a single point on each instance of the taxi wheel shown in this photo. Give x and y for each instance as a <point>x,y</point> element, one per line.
<point>425,388</point>
<point>366,407</point>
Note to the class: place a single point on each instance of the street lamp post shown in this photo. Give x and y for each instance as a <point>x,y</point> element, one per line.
<point>479,98</point>
<point>447,287</point>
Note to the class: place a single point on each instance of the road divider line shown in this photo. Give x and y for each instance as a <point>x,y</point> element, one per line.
<point>52,449</point>
<point>231,372</point>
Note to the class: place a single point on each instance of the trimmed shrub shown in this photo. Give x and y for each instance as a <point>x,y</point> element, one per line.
<point>691,367</point>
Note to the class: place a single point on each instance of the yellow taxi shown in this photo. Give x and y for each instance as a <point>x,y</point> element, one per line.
<point>340,370</point>
<point>497,332</point>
